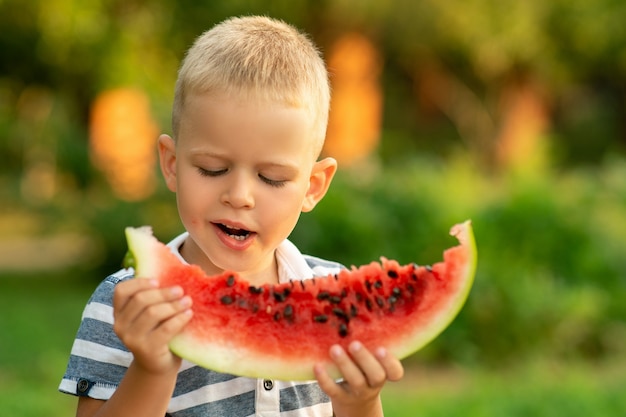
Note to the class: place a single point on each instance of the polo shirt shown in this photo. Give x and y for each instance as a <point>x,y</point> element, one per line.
<point>98,359</point>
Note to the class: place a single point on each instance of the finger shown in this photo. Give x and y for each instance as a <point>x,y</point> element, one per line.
<point>124,291</point>
<point>393,367</point>
<point>143,299</point>
<point>170,327</point>
<point>154,315</point>
<point>368,364</point>
<point>326,382</point>
<point>151,349</point>
<point>155,326</point>
<point>350,371</point>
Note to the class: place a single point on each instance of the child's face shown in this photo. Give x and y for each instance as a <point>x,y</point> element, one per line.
<point>243,172</point>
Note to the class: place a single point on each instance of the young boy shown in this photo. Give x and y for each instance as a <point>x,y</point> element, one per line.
<point>249,120</point>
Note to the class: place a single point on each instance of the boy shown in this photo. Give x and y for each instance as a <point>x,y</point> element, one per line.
<point>249,119</point>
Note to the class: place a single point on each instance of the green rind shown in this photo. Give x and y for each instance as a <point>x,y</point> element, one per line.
<point>236,360</point>
<point>146,255</point>
<point>465,235</point>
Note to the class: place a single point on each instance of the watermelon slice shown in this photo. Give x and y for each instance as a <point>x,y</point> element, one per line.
<point>280,331</point>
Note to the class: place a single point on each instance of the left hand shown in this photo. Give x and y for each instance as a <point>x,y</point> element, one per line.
<point>364,375</point>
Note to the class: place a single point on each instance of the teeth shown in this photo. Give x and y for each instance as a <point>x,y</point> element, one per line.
<point>235,233</point>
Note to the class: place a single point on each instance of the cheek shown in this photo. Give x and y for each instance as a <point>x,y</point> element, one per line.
<point>289,206</point>
<point>277,202</point>
<point>192,194</point>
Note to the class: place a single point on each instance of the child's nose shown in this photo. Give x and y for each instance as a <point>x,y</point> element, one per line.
<point>239,193</point>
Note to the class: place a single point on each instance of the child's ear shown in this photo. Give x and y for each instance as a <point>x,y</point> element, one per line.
<point>321,177</point>
<point>167,159</point>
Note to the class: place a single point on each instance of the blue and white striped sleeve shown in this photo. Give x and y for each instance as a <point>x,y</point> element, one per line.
<point>98,359</point>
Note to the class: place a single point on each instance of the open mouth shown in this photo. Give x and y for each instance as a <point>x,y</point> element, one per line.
<point>233,232</point>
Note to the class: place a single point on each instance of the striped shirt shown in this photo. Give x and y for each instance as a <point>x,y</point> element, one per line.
<point>99,360</point>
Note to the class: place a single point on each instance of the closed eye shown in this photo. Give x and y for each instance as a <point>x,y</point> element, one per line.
<point>273,183</point>
<point>211,173</point>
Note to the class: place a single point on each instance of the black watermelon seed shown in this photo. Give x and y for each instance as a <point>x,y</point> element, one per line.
<point>397,292</point>
<point>380,302</point>
<point>334,299</point>
<point>392,300</point>
<point>368,285</point>
<point>359,297</point>
<point>321,318</point>
<point>323,295</point>
<point>288,312</point>
<point>255,290</point>
<point>410,288</point>
<point>280,296</point>
<point>341,314</point>
<point>368,304</point>
<point>230,281</point>
<point>343,330</point>
<point>392,274</point>
<point>277,316</point>
<point>226,300</point>
<point>378,284</point>
<point>353,310</point>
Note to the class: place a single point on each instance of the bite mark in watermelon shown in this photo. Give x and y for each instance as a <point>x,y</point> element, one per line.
<point>280,331</point>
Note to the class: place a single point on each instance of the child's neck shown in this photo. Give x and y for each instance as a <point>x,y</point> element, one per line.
<point>266,275</point>
<point>269,276</point>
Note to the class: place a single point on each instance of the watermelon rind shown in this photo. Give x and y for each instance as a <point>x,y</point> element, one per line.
<point>464,233</point>
<point>152,258</point>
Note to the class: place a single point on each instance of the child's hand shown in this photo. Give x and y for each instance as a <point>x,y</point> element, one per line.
<point>364,374</point>
<point>146,319</point>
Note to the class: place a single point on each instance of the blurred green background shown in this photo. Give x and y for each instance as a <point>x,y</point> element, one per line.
<point>511,113</point>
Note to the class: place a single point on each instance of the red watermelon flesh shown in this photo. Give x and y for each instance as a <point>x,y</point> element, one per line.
<point>280,331</point>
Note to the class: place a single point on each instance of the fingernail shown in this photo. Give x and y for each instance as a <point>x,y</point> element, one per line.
<point>381,353</point>
<point>336,351</point>
<point>176,291</point>
<point>355,347</point>
<point>185,301</point>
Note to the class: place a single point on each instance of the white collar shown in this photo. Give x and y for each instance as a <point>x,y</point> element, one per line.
<point>291,263</point>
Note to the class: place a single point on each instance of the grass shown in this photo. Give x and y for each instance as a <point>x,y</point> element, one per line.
<point>40,316</point>
<point>538,389</point>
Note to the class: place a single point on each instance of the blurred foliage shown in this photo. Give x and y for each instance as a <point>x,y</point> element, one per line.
<point>539,389</point>
<point>550,232</point>
<point>574,51</point>
<point>550,267</point>
<point>40,315</point>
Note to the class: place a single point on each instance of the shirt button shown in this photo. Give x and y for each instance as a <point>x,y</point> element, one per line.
<point>268,384</point>
<point>83,387</point>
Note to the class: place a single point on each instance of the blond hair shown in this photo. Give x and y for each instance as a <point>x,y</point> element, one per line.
<point>258,58</point>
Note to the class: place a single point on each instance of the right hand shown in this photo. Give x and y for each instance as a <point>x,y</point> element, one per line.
<point>147,318</point>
